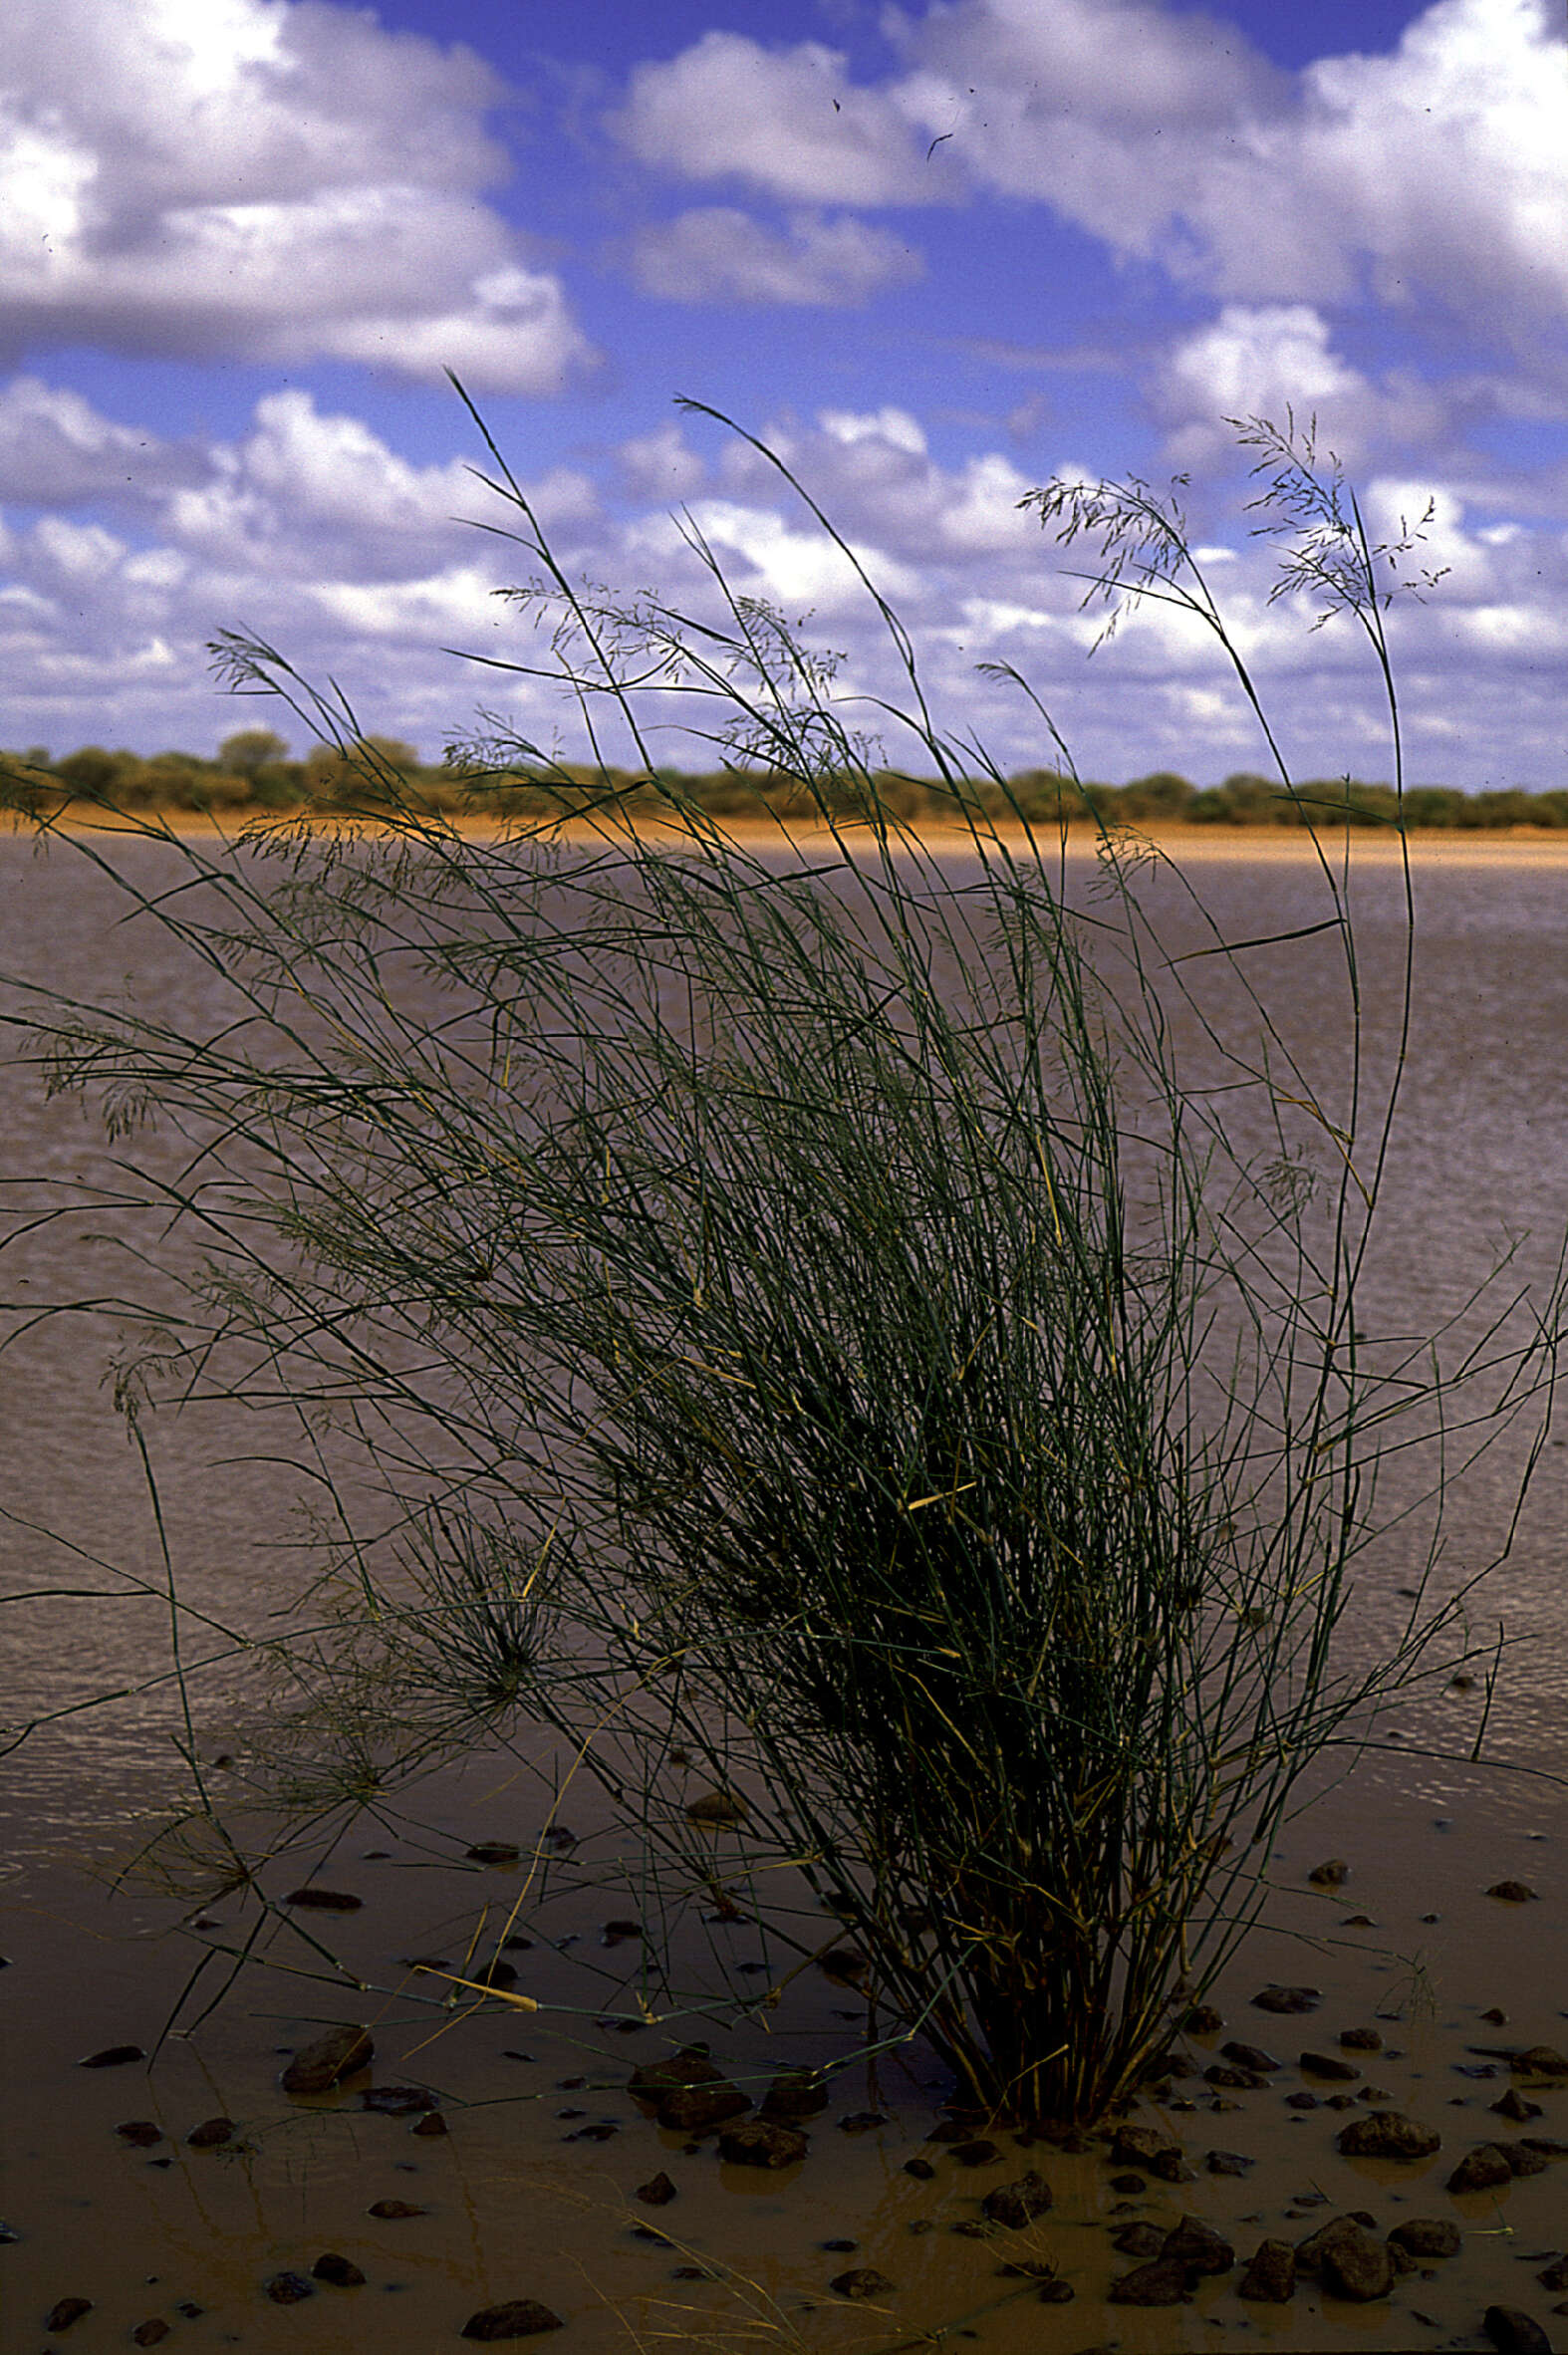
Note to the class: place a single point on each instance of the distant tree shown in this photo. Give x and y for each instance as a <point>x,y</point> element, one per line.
<point>250,750</point>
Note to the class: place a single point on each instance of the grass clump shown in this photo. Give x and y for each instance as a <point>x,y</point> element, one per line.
<point>853,1317</point>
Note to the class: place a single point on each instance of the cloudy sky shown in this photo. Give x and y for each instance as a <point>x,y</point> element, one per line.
<point>932,254</point>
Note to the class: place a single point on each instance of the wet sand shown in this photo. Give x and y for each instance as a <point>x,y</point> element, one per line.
<point>532,2192</point>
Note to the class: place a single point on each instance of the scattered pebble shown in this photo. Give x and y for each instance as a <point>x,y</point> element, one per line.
<point>139,2133</point>
<point>150,2333</point>
<point>65,2312</point>
<point>391,2212</point>
<point>861,2281</point>
<point>1270,2278</point>
<point>1514,2333</point>
<point>493,1852</point>
<point>341,2271</point>
<point>1512,1893</point>
<point>288,2290</point>
<point>1387,2134</point>
<point>210,2134</point>
<point>1287,1999</point>
<point>518,2318</point>
<point>758,2143</point>
<point>318,2067</point>
<point>325,1901</point>
<point>112,2056</point>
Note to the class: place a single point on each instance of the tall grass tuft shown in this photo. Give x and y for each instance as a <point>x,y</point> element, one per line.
<point>845,1308</point>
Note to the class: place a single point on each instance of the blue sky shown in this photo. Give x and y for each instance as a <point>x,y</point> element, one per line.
<point>935,254</point>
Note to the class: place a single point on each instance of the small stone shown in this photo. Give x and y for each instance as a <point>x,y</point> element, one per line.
<point>1250,2056</point>
<point>493,1852</point>
<point>1162,2284</point>
<point>1359,2040</point>
<point>1323,2064</point>
<point>1332,1875</point>
<point>210,2134</point>
<point>1514,2333</point>
<point>1288,1999</point>
<point>317,2067</point>
<point>518,2318</point>
<point>1387,2134</point>
<point>150,2333</point>
<point>1198,2247</point>
<point>1140,2145</point>
<point>1057,2293</point>
<point>1016,2205</point>
<point>1226,2073</point>
<point>139,2133</point>
<point>1522,2162</point>
<point>325,1901</point>
<point>1555,2277</point>
<point>1202,2020</point>
<point>394,2211</point>
<point>1301,2101</point>
<point>65,2312</point>
<point>1497,2017</point>
<point>1482,2170</point>
<point>288,2290</point>
<point>1512,1893</point>
<point>722,1809</point>
<point>431,2124</point>
<point>112,2056</point>
<point>1513,2106</point>
<point>922,2169</point>
<point>1228,2163</point>
<point>1427,2237</point>
<point>1270,2278</point>
<point>977,2152</point>
<point>1545,2144</point>
<point>1138,2240</point>
<point>799,2094</point>
<point>341,2271</point>
<point>1171,2168</point>
<point>1128,2184</point>
<point>397,2101</point>
<point>863,2121</point>
<point>1356,2264</point>
<point>616,1933</point>
<point>758,2143</point>
<point>658,2192</point>
<point>861,2282</point>
<point>1541,2060</point>
<point>840,2247</point>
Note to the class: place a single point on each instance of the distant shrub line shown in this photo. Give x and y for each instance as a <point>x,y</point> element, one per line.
<point>251,773</point>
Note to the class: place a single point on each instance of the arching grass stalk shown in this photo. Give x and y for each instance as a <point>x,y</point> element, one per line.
<point>802,1305</point>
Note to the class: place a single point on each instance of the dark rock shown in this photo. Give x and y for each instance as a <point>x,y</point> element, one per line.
<point>861,2281</point>
<point>658,2192</point>
<point>341,2271</point>
<point>495,1974</point>
<point>1301,2101</point>
<point>1427,2237</point>
<point>288,2290</point>
<point>1481,2170</point>
<point>1288,1999</point>
<point>1226,2073</point>
<point>1387,2134</point>
<point>1310,2251</point>
<point>1323,2064</point>
<point>1250,2056</point>
<point>1161,2284</point>
<point>1544,2144</point>
<point>1140,2241</point>
<point>861,2121</point>
<point>557,1839</point>
<point>324,1900</point>
<point>1513,2333</point>
<point>845,1964</point>
<point>1522,2162</point>
<point>189,2310</point>
<point>1512,1893</point>
<point>1498,2018</point>
<point>210,2133</point>
<point>1057,2293</point>
<point>689,2095</point>
<point>1514,2106</point>
<point>394,2211</point>
<point>65,2312</point>
<point>1017,2204</point>
<point>1228,2163</point>
<point>1202,2020</point>
<point>150,2333</point>
<point>1140,2145</point>
<point>1271,2276</point>
<point>721,1809</point>
<point>616,1934</point>
<point>493,1852</point>
<point>112,2056</point>
<point>519,2318</point>
<point>1356,2264</point>
<point>398,2101</point>
<point>922,2169</point>
<point>1359,2040</point>
<point>1555,2277</point>
<point>139,2133</point>
<point>1541,2060</point>
<point>1198,2246</point>
<point>1332,1875</point>
<point>800,2094</point>
<point>976,2152</point>
<point>758,2143</point>
<point>431,2124</point>
<point>1171,2168</point>
<point>840,2247</point>
<point>1128,2184</point>
<point>317,2067</point>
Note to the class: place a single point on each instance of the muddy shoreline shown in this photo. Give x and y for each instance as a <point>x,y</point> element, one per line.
<point>532,2193</point>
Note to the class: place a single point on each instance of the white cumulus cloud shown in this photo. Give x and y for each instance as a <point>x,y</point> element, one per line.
<point>262,180</point>
<point>718,254</point>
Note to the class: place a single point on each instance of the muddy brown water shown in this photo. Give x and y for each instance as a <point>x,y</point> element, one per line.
<point>531,2193</point>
